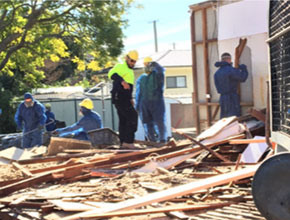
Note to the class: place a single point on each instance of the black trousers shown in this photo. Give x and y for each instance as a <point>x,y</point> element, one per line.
<point>128,121</point>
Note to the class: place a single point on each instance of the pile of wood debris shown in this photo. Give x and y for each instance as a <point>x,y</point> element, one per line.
<point>207,177</point>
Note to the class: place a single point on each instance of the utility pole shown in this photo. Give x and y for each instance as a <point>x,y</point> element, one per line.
<point>155,35</point>
<point>173,46</point>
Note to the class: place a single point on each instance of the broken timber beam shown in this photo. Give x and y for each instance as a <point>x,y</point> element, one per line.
<point>258,114</point>
<point>176,153</point>
<point>203,146</point>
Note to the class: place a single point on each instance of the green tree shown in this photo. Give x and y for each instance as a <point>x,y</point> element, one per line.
<point>33,31</point>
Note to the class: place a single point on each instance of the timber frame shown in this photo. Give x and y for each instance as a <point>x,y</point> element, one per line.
<point>212,108</point>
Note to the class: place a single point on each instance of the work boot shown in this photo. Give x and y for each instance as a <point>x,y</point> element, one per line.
<point>160,144</point>
<point>128,146</point>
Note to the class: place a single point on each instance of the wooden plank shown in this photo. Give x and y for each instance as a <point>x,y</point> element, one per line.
<point>216,128</point>
<point>247,141</point>
<point>163,210</point>
<point>14,153</point>
<point>167,164</point>
<point>194,151</point>
<point>172,192</point>
<point>206,65</point>
<point>58,144</point>
<point>232,129</point>
<point>53,158</point>
<point>195,99</point>
<point>258,114</point>
<point>6,190</point>
<point>25,171</point>
<point>7,182</point>
<point>237,166</point>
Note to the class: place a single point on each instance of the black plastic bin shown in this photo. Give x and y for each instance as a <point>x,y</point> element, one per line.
<point>103,136</point>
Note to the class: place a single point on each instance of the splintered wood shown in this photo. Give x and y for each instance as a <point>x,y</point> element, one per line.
<point>200,177</point>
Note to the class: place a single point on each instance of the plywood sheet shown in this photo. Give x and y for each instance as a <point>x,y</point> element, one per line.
<point>254,151</point>
<point>216,128</point>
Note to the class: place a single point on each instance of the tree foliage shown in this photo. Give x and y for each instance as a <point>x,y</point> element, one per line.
<point>87,33</point>
<point>33,31</point>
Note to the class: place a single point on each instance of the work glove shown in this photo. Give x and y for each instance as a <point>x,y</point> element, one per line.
<point>242,66</point>
<point>55,133</point>
<point>70,135</point>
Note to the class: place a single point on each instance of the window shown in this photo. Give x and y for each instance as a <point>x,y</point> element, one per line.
<point>176,82</point>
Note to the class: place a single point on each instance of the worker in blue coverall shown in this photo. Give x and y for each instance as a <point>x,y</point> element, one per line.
<point>122,75</point>
<point>30,118</point>
<point>150,101</point>
<point>50,118</point>
<point>91,120</point>
<point>227,79</point>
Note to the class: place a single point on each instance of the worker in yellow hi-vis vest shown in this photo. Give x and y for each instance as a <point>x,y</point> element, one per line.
<point>123,79</point>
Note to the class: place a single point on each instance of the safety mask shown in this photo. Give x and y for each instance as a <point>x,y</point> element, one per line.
<point>148,68</point>
<point>81,113</point>
<point>28,103</point>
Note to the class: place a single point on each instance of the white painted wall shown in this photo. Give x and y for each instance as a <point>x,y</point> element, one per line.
<point>243,18</point>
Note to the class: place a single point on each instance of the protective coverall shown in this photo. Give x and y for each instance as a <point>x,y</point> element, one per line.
<point>31,120</point>
<point>91,120</point>
<point>50,121</point>
<point>121,98</point>
<point>227,79</point>
<point>150,102</point>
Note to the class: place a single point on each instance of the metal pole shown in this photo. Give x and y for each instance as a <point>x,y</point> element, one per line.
<point>76,110</point>
<point>113,117</point>
<point>103,105</point>
<point>155,36</point>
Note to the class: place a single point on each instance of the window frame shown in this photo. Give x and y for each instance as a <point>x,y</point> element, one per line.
<point>175,82</point>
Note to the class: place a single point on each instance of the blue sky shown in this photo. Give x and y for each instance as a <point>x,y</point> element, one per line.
<point>173,25</point>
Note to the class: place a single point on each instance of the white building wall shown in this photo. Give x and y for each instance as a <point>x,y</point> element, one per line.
<point>243,18</point>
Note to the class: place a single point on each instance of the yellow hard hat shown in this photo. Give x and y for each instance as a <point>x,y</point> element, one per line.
<point>87,103</point>
<point>147,60</point>
<point>133,54</point>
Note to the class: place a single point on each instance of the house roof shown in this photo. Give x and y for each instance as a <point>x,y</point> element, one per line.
<point>169,58</point>
<point>71,92</point>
